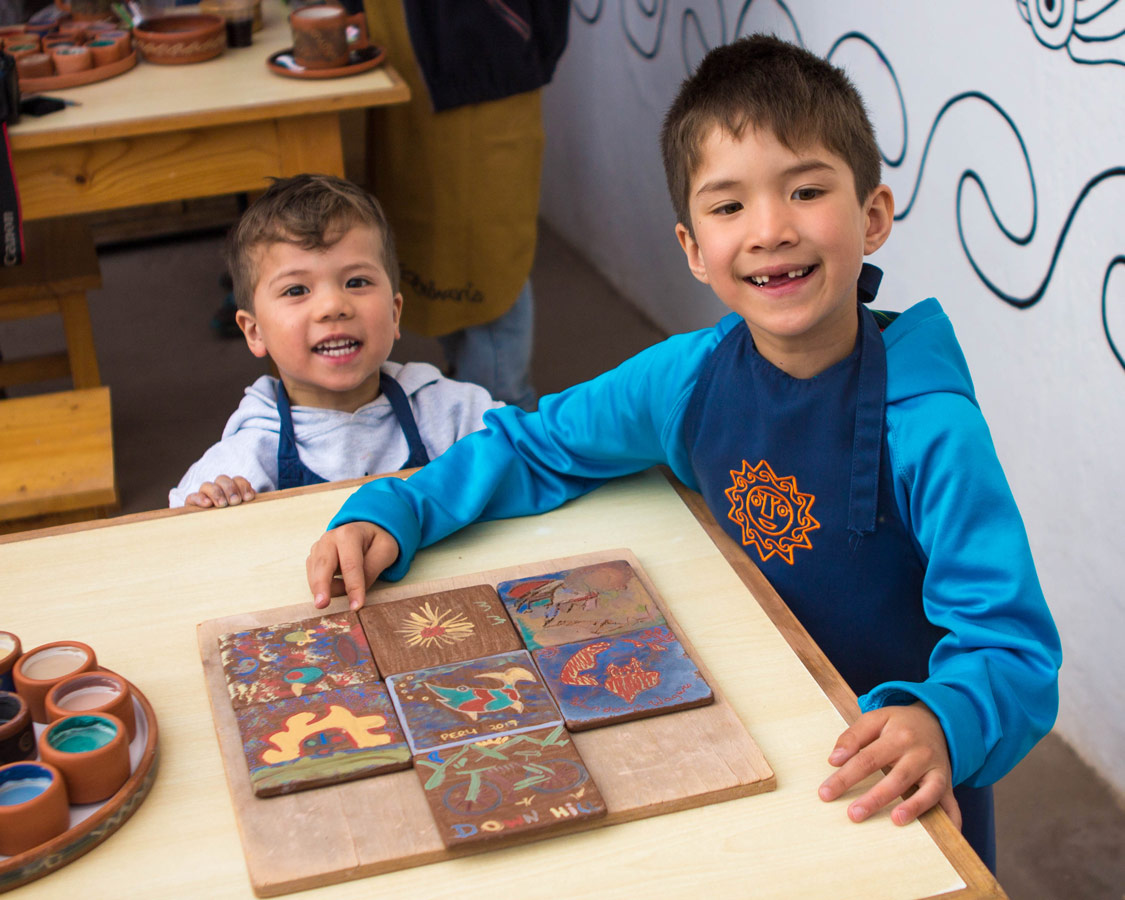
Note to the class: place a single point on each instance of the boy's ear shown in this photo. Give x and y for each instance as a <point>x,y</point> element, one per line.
<point>691,251</point>
<point>397,314</point>
<point>251,332</point>
<point>880,213</point>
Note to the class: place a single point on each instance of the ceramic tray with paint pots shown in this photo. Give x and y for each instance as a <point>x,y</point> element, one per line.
<point>90,764</point>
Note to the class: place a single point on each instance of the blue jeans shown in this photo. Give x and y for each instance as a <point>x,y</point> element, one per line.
<point>497,354</point>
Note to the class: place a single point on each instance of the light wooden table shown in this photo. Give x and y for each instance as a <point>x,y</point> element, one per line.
<point>135,588</point>
<point>160,133</point>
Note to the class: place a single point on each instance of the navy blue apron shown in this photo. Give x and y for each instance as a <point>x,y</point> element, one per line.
<point>797,472</point>
<point>291,472</point>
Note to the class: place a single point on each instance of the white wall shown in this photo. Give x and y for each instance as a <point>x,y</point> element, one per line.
<point>1048,376</point>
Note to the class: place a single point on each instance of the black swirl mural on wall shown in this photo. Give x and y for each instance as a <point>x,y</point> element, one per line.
<point>1092,31</point>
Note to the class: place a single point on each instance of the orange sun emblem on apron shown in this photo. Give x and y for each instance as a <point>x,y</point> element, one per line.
<point>772,513</point>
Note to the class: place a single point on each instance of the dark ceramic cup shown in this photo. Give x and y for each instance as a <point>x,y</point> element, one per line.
<point>17,732</point>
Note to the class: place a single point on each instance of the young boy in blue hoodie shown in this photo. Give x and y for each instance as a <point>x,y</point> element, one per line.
<point>843,449</point>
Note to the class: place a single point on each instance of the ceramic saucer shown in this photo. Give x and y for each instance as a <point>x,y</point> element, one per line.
<point>359,60</point>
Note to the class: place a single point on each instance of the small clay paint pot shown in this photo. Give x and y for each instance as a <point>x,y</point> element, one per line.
<point>22,49</point>
<point>69,60</point>
<point>35,65</point>
<point>50,43</point>
<point>123,39</point>
<point>320,38</point>
<point>104,52</point>
<point>92,753</point>
<point>75,33</point>
<point>95,693</point>
<point>17,734</point>
<point>33,806</point>
<point>10,650</point>
<point>39,670</point>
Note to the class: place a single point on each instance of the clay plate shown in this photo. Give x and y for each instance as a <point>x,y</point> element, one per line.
<point>75,79</point>
<point>358,61</point>
<point>93,823</point>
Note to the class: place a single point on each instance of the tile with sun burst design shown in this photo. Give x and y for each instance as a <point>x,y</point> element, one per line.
<point>438,629</point>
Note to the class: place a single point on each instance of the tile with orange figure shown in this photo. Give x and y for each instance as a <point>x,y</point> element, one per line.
<point>579,604</point>
<point>438,629</point>
<point>631,676</point>
<point>295,658</point>
<point>320,739</point>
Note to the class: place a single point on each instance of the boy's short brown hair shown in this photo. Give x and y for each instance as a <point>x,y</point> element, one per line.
<point>311,211</point>
<point>761,81</point>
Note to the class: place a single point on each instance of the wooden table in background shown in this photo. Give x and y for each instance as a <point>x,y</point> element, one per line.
<point>136,587</point>
<point>160,133</point>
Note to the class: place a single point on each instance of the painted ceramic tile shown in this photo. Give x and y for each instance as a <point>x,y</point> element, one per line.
<point>466,701</point>
<point>295,658</point>
<point>644,673</point>
<point>319,739</point>
<point>579,604</point>
<point>508,786</point>
<point>438,629</point>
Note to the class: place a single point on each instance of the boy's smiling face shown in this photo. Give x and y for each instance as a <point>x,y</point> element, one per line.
<point>327,317</point>
<point>761,213</point>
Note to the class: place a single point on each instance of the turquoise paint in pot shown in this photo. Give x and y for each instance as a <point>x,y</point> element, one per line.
<point>20,784</point>
<point>81,734</point>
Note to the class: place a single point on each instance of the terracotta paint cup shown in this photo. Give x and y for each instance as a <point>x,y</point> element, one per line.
<point>104,52</point>
<point>19,50</point>
<point>10,651</point>
<point>123,39</point>
<point>95,693</point>
<point>92,753</point>
<point>33,806</point>
<point>69,60</point>
<point>39,670</point>
<point>17,734</point>
<point>34,65</point>
<point>320,39</point>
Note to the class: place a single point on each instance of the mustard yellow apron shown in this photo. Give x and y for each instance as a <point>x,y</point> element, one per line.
<point>461,191</point>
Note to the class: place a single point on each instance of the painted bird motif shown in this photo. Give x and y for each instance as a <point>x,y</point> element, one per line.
<point>472,701</point>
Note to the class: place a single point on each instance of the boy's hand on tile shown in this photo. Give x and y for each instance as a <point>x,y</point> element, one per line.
<point>909,740</point>
<point>359,552</point>
<point>223,491</point>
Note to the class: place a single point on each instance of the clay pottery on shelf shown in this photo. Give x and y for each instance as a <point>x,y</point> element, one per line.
<point>94,693</point>
<point>39,670</point>
<point>10,650</point>
<point>174,39</point>
<point>33,806</point>
<point>70,59</point>
<point>92,753</point>
<point>17,734</point>
<point>34,65</point>
<point>320,36</point>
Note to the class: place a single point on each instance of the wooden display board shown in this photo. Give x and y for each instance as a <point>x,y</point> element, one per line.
<point>643,768</point>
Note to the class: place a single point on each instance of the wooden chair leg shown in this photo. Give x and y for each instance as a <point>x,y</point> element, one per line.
<point>79,340</point>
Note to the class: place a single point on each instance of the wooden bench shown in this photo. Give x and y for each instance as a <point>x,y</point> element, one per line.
<point>56,459</point>
<point>60,265</point>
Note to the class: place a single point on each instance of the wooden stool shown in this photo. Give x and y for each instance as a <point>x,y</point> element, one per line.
<point>56,459</point>
<point>60,265</point>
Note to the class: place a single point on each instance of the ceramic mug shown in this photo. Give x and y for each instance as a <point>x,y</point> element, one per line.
<point>33,806</point>
<point>39,670</point>
<point>93,692</point>
<point>92,753</point>
<point>17,733</point>
<point>320,36</point>
<point>10,650</point>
